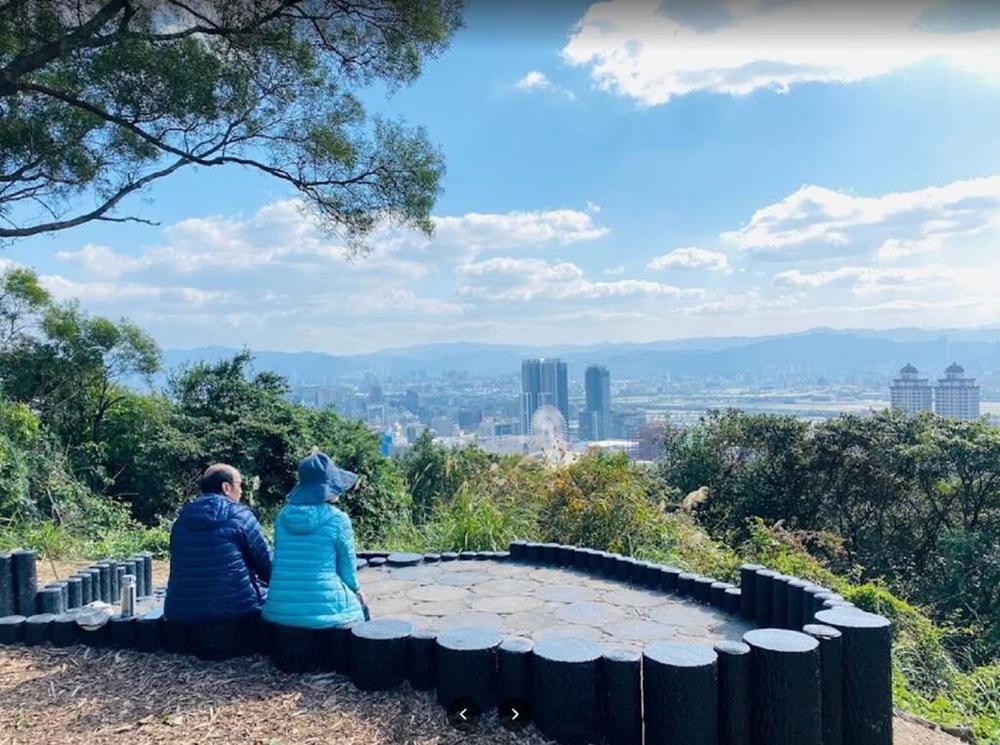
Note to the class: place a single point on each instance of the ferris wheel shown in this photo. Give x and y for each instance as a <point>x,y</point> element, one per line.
<point>549,433</point>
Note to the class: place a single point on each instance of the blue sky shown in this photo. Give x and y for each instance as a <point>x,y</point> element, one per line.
<point>618,171</point>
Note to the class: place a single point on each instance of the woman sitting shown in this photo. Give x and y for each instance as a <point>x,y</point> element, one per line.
<point>313,580</point>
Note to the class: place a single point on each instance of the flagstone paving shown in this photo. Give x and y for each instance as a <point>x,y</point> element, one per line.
<point>522,600</point>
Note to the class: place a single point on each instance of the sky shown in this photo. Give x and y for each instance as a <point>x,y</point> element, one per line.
<point>629,170</point>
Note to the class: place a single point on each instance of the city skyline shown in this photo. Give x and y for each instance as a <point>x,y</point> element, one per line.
<point>608,180</point>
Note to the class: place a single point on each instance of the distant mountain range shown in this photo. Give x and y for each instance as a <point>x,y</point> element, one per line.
<point>820,352</point>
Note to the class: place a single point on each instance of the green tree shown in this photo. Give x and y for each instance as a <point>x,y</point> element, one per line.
<point>105,98</point>
<point>436,473</point>
<point>22,301</point>
<point>234,415</point>
<point>72,370</point>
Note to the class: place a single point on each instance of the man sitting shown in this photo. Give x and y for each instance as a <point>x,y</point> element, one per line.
<point>219,557</point>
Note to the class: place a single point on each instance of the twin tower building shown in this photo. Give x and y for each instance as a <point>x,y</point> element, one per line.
<point>544,382</point>
<point>955,396</point>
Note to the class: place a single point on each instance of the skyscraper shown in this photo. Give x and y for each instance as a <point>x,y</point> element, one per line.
<point>955,395</point>
<point>909,392</point>
<point>595,420</point>
<point>543,383</point>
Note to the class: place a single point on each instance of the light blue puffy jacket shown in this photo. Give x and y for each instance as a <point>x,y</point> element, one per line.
<point>313,579</point>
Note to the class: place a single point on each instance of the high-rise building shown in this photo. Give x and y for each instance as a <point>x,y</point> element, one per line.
<point>543,383</point>
<point>595,420</point>
<point>909,392</point>
<point>956,396</point>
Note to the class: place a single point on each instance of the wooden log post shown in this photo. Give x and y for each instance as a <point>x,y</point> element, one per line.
<point>144,566</point>
<point>718,594</point>
<point>12,630</point>
<point>466,664</point>
<point>867,647</point>
<point>668,578</point>
<point>581,558</point>
<point>342,648</point>
<point>122,632</point>
<point>518,550</point>
<point>293,649</point>
<point>36,629</point>
<point>432,558</point>
<point>550,553</point>
<point>378,653</point>
<point>420,663</point>
<point>49,601</point>
<point>779,602</point>
<point>809,604</point>
<point>785,683</point>
<point>107,586</point>
<point>149,631</point>
<point>23,564</point>
<point>796,600</point>
<point>403,559</point>
<point>680,694</point>
<point>514,670</point>
<point>763,587</point>
<point>734,601</point>
<point>449,556</point>
<point>685,584</point>
<point>96,636</point>
<point>564,555</point>
<point>748,585</point>
<point>565,686</point>
<point>831,667</point>
<point>95,582</point>
<point>65,630</point>
<point>734,693</point>
<point>74,593</point>
<point>140,577</point>
<point>621,688</point>
<point>7,604</point>
<point>226,639</point>
<point>85,596</point>
<point>703,589</point>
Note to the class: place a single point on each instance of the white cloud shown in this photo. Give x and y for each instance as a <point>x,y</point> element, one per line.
<point>691,258</point>
<point>614,271</point>
<point>112,294</point>
<point>509,279</point>
<point>867,280</point>
<point>891,226</point>
<point>595,208</point>
<point>477,231</point>
<point>749,302</point>
<point>538,81</point>
<point>636,49</point>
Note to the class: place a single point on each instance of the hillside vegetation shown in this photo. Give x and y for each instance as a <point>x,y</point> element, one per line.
<point>901,515</point>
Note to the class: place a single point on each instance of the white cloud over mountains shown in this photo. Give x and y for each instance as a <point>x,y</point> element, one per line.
<point>510,279</point>
<point>816,220</point>
<point>272,280</point>
<point>650,51</point>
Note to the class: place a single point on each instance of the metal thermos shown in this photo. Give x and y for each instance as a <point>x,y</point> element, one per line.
<point>128,595</point>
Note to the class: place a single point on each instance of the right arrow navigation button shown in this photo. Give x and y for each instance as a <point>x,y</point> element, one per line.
<point>514,713</point>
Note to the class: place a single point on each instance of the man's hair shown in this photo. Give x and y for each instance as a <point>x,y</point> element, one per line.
<point>215,476</point>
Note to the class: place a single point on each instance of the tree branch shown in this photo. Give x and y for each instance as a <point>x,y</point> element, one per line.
<point>96,213</point>
<point>60,47</point>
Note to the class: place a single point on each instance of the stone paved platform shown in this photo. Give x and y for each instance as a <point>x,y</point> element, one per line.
<point>524,600</point>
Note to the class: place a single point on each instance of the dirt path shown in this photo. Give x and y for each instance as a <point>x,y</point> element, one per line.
<point>81,696</point>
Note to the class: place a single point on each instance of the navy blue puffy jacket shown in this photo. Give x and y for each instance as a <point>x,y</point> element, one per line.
<point>219,558</point>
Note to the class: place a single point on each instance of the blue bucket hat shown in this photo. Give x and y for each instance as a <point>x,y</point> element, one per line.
<point>320,481</point>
